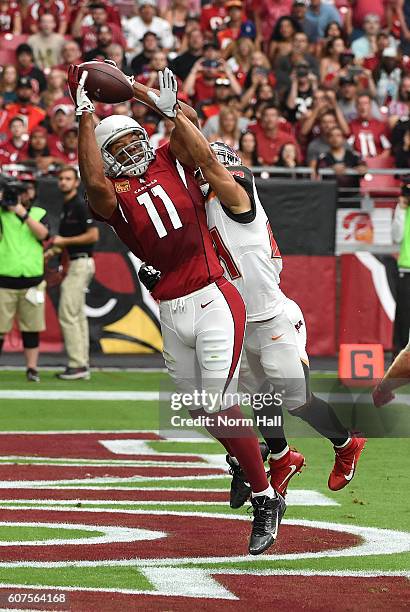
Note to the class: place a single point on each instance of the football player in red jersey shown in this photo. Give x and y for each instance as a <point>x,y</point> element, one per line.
<point>154,204</point>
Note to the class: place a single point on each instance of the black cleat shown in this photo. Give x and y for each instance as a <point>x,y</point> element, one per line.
<point>240,489</point>
<point>267,516</point>
<point>32,375</point>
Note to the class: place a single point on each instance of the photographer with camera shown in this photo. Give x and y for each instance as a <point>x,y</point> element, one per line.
<point>299,98</point>
<point>23,227</point>
<point>401,236</point>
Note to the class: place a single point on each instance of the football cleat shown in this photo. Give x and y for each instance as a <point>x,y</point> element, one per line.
<point>32,375</point>
<point>74,374</point>
<point>240,489</point>
<point>267,516</point>
<point>282,470</point>
<point>345,464</point>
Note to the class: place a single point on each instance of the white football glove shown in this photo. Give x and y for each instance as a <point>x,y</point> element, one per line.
<point>166,102</point>
<point>82,102</point>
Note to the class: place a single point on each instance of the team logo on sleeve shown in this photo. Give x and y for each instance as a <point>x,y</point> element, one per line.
<point>122,186</point>
<point>238,173</point>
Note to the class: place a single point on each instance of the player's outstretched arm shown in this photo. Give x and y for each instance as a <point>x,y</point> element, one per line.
<point>141,93</point>
<point>397,375</point>
<point>99,190</point>
<point>229,192</point>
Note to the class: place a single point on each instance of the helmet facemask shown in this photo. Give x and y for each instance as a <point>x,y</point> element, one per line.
<point>132,159</point>
<point>225,154</point>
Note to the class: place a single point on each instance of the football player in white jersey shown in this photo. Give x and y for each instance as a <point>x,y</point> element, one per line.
<point>248,251</point>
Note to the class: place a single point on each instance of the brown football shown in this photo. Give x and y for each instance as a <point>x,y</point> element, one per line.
<point>106,83</point>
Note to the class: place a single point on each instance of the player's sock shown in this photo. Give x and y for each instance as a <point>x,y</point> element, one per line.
<point>321,416</point>
<point>243,444</point>
<point>269,492</point>
<point>274,436</point>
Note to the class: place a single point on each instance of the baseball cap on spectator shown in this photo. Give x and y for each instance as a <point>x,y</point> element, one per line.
<point>67,109</point>
<point>300,3</point>
<point>211,45</point>
<point>145,2</point>
<point>248,30</point>
<point>389,52</point>
<point>24,82</point>
<point>149,33</point>
<point>233,4</point>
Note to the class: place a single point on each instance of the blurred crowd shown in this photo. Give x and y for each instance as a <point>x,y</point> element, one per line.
<point>287,83</point>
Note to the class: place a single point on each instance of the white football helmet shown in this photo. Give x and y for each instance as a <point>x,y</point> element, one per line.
<point>226,156</point>
<point>131,160</point>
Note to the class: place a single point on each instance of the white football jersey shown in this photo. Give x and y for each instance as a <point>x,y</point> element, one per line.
<point>247,250</point>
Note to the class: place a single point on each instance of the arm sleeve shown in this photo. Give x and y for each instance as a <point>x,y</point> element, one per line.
<point>244,177</point>
<point>397,228</point>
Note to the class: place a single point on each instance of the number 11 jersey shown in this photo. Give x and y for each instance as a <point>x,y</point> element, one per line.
<point>161,218</point>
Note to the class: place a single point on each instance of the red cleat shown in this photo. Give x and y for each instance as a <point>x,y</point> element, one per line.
<point>282,470</point>
<point>345,464</point>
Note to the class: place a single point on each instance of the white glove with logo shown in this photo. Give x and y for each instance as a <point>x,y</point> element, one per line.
<point>166,102</point>
<point>83,103</point>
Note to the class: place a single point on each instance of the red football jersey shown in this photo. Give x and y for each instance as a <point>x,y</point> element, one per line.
<point>369,138</point>
<point>162,220</point>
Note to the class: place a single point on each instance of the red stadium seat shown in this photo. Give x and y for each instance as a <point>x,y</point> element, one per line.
<point>385,186</point>
<point>8,46</point>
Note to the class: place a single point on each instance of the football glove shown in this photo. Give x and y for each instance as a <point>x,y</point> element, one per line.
<point>149,276</point>
<point>166,102</point>
<point>382,396</point>
<point>78,92</point>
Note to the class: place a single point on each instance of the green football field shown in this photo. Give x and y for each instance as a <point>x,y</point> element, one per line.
<point>102,508</point>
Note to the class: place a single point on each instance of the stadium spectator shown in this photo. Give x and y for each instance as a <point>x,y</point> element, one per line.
<point>57,8</point>
<point>402,148</point>
<point>23,226</point>
<point>212,17</point>
<point>270,135</point>
<point>61,117</point>
<point>10,18</point>
<point>23,106</point>
<point>56,83</point>
<point>330,63</point>
<point>38,153</point>
<point>248,149</point>
<point>400,109</point>
<point>387,77</point>
<point>8,83</point>
<point>266,14</point>
<point>308,26</point>
<point>140,63</point>
<point>46,43</point>
<point>240,60</point>
<point>70,54</point>
<point>16,146</point>
<point>339,158</point>
<point>230,29</point>
<point>228,131</point>
<point>323,101</point>
<point>117,54</point>
<point>78,233</point>
<point>403,15</point>
<point>85,31</point>
<point>223,100</point>
<point>282,39</point>
<point>369,136</point>
<point>320,15</point>
<point>143,114</point>
<point>298,55</point>
<point>65,152</point>
<point>366,45</point>
<point>299,97</point>
<point>163,133</point>
<point>334,30</point>
<point>159,61</point>
<point>183,63</point>
<point>362,9</point>
<point>147,21</point>
<point>177,15</point>
<point>211,107</point>
<point>104,40</point>
<point>288,158</point>
<point>26,67</point>
<point>320,145</point>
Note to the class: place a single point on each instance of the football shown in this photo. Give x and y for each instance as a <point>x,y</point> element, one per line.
<point>105,82</point>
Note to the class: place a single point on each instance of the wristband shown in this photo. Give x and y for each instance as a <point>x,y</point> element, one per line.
<point>24,217</point>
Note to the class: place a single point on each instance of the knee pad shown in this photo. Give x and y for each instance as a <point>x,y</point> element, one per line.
<point>30,339</point>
